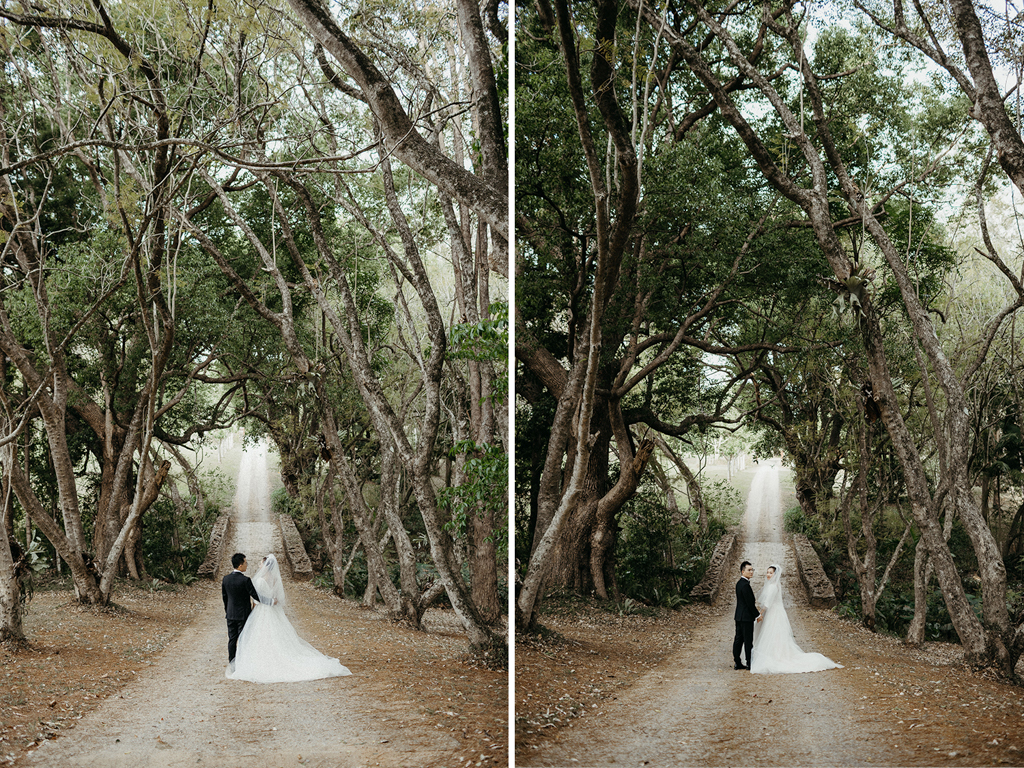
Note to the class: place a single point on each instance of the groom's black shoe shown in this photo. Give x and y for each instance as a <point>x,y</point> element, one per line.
<point>740,666</point>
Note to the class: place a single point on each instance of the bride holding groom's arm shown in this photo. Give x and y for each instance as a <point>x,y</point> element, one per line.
<point>269,648</point>
<point>775,650</point>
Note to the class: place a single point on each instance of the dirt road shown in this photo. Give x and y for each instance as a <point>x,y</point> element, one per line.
<point>698,710</point>
<point>184,712</point>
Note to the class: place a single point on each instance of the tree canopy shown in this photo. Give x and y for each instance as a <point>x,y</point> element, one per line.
<point>744,214</point>
<point>278,214</point>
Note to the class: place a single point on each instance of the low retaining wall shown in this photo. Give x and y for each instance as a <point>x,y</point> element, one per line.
<point>294,549</point>
<point>820,591</point>
<point>215,554</point>
<point>708,588</point>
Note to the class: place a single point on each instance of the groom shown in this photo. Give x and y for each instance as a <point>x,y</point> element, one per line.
<point>746,614</point>
<point>236,589</point>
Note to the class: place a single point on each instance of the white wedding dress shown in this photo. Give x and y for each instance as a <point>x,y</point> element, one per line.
<point>269,648</point>
<point>775,651</point>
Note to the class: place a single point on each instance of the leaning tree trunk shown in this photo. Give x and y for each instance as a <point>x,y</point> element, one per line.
<point>390,490</point>
<point>400,134</point>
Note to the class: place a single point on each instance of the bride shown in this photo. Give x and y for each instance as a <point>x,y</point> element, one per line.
<point>775,650</point>
<point>269,649</point>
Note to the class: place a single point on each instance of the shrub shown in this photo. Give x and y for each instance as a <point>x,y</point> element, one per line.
<point>659,561</point>
<point>174,543</point>
<point>796,521</point>
<point>724,501</point>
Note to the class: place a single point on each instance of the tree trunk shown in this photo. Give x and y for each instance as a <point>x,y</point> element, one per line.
<point>147,491</point>
<point>571,563</point>
<point>377,572</point>
<point>806,496</point>
<point>11,629</point>
<point>989,106</point>
<point>578,402</point>
<point>605,534</point>
<point>83,573</point>
<point>390,491</point>
<point>922,576</point>
<point>483,565</point>
<point>332,530</point>
<point>555,499</point>
<point>986,492</point>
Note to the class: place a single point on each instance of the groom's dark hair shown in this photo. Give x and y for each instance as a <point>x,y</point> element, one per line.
<point>743,565</point>
<point>237,559</point>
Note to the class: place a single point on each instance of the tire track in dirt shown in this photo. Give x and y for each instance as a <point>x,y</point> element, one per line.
<point>184,712</point>
<point>695,709</point>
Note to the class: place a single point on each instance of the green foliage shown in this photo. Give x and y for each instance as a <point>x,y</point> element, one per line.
<point>724,501</point>
<point>485,341</point>
<point>324,580</point>
<point>797,522</point>
<point>628,607</point>
<point>175,542</point>
<point>29,565</point>
<point>36,556</point>
<point>282,503</point>
<point>485,490</point>
<point>355,581</point>
<point>1015,602</point>
<point>658,561</point>
<point>357,578</point>
<point>894,611</point>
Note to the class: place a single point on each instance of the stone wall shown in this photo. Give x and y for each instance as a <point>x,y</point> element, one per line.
<point>294,549</point>
<point>820,591</point>
<point>215,554</point>
<point>708,588</point>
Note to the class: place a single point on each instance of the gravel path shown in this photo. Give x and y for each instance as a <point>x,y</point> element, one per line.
<point>697,710</point>
<point>186,713</point>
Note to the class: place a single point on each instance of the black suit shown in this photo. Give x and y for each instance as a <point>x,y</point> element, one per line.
<point>236,589</point>
<point>746,614</point>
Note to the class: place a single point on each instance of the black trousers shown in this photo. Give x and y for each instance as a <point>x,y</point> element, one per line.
<point>744,639</point>
<point>235,629</point>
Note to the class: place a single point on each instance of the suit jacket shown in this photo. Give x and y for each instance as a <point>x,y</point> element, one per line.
<point>746,610</point>
<point>236,589</point>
